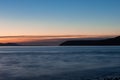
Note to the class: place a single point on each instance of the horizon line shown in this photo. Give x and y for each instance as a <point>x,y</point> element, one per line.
<point>53,35</point>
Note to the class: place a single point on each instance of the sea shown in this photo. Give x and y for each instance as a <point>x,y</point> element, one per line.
<point>59,62</point>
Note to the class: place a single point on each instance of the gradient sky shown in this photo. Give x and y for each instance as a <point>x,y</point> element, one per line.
<point>59,17</point>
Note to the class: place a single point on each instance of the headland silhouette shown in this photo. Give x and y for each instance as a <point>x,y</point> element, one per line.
<point>104,42</point>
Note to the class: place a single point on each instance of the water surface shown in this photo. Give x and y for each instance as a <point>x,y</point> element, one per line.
<point>58,63</point>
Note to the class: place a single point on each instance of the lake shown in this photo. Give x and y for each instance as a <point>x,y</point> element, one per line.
<point>59,62</point>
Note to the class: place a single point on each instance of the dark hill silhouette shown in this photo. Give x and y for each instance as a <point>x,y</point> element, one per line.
<point>9,44</point>
<point>107,42</point>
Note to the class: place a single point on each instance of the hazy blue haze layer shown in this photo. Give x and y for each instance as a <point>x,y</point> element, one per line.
<point>59,63</point>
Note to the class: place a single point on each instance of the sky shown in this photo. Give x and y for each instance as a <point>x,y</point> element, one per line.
<point>59,17</point>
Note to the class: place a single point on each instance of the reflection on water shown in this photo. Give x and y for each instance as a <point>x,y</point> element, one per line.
<point>48,63</point>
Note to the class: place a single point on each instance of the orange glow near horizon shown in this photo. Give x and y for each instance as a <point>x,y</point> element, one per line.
<point>19,39</point>
<point>10,40</point>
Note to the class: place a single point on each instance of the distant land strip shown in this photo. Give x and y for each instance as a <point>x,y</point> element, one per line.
<point>104,42</point>
<point>88,42</point>
<point>9,44</point>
